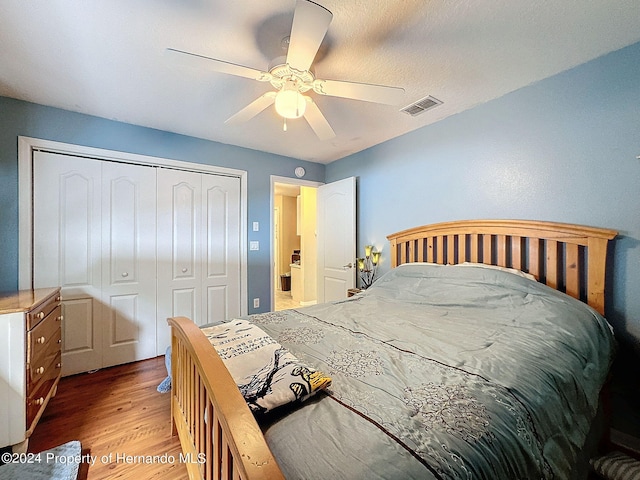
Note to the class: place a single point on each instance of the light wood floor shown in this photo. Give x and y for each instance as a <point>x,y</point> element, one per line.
<point>115,411</point>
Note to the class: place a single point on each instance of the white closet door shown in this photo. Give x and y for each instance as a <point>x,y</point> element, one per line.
<point>129,262</point>
<point>198,249</point>
<point>221,238</point>
<point>67,250</point>
<point>179,249</point>
<point>94,235</point>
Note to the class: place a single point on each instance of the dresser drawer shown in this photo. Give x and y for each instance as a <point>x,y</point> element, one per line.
<point>44,367</point>
<point>38,391</point>
<point>37,314</point>
<point>45,337</point>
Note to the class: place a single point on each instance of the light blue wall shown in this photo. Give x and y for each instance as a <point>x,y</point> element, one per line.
<point>563,149</point>
<point>31,120</point>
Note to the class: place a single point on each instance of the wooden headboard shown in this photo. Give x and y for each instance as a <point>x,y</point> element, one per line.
<point>569,258</point>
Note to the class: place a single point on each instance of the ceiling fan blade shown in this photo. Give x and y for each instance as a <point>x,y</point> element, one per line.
<point>253,109</point>
<point>200,61</point>
<point>316,120</point>
<point>359,91</point>
<point>310,24</point>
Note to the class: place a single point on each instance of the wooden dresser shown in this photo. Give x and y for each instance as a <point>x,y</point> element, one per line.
<point>30,360</point>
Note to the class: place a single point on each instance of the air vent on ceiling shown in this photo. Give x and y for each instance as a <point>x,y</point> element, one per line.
<point>421,106</point>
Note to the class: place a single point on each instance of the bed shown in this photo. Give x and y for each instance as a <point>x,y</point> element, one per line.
<point>481,354</point>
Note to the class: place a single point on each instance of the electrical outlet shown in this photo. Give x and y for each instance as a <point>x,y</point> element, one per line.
<point>256,303</point>
<point>254,245</point>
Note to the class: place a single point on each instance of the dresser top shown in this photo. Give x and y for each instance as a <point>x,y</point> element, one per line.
<point>24,300</point>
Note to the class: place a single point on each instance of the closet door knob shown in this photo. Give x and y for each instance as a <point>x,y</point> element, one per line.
<point>185,270</point>
<point>125,274</point>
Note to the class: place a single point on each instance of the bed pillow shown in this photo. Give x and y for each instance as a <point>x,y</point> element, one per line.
<point>266,373</point>
<point>515,271</point>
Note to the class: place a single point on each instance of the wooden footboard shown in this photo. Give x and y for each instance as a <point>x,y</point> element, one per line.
<point>219,435</point>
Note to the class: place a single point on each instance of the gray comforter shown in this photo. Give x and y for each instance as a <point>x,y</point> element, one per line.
<point>443,372</point>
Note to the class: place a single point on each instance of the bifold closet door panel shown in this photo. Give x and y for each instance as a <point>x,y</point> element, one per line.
<point>129,262</point>
<point>180,219</point>
<point>67,251</point>
<point>221,253</point>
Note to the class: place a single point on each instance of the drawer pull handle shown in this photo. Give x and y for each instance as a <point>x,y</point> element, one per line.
<point>40,340</point>
<point>40,315</point>
<point>59,340</point>
<point>58,298</point>
<point>40,370</point>
<point>58,365</point>
<point>185,270</point>
<point>39,401</point>
<point>125,274</point>
<point>60,318</point>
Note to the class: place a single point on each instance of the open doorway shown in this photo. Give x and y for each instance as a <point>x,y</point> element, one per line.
<point>294,250</point>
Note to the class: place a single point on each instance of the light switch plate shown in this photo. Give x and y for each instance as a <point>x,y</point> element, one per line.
<point>256,226</point>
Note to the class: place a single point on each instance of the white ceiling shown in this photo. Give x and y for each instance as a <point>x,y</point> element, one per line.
<point>106,58</point>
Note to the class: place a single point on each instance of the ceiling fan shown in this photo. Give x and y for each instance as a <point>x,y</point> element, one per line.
<point>292,76</point>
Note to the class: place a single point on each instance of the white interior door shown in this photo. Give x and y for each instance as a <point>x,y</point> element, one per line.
<point>67,223</point>
<point>336,234</point>
<point>129,262</point>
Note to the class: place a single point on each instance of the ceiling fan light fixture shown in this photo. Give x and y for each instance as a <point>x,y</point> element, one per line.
<point>289,101</point>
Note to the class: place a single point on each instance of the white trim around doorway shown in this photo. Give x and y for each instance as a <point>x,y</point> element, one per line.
<point>289,181</point>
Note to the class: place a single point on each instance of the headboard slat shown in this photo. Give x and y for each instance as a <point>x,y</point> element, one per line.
<point>430,258</point>
<point>440,249</point>
<point>516,252</point>
<point>451,251</point>
<point>403,252</point>
<point>572,270</point>
<point>412,251</point>
<point>474,248</point>
<point>533,260</point>
<point>551,265</point>
<point>487,239</point>
<point>421,246</point>
<point>462,248</point>
<point>570,258</point>
<point>502,250</point>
